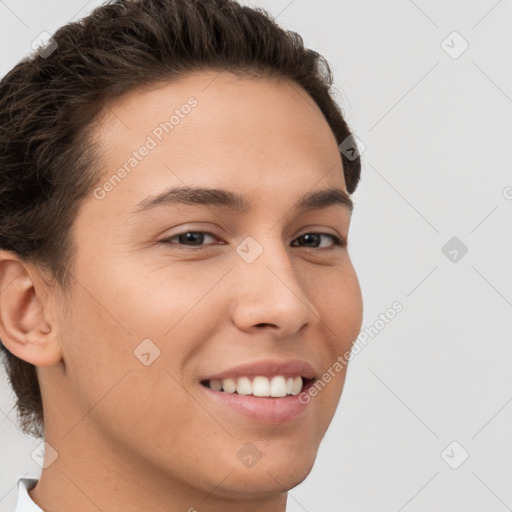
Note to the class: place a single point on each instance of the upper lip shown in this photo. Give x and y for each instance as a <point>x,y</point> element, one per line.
<point>267,368</point>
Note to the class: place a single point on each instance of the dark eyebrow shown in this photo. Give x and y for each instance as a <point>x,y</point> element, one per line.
<point>241,203</point>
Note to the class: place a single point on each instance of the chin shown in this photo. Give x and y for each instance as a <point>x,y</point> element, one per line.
<point>266,478</point>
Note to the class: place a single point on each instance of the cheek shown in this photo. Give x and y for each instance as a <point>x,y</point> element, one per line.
<point>337,296</point>
<point>158,302</point>
<point>97,348</point>
<point>112,384</point>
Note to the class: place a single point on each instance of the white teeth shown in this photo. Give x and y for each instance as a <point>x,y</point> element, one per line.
<point>260,386</point>
<point>297,386</point>
<point>277,386</point>
<point>243,386</point>
<point>229,385</point>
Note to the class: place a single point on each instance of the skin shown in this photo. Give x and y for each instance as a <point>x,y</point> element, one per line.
<point>135,438</point>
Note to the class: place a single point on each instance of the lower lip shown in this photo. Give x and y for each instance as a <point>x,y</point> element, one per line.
<point>261,409</point>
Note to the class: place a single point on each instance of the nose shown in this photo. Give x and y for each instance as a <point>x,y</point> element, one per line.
<point>271,294</point>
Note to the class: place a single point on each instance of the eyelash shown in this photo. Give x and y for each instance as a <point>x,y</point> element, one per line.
<point>337,241</point>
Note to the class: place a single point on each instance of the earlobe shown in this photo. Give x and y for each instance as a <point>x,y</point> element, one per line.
<point>24,330</point>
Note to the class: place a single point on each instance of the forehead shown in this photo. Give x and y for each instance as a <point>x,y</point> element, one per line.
<point>215,128</point>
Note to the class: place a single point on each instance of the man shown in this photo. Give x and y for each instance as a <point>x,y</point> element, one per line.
<point>173,258</point>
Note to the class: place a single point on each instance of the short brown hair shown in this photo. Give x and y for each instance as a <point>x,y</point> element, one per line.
<point>49,100</point>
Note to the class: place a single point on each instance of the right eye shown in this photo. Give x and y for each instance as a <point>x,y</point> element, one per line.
<point>194,237</point>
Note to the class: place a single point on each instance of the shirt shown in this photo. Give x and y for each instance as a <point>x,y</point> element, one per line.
<point>25,502</point>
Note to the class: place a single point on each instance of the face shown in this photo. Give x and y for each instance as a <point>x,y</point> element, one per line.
<point>156,314</point>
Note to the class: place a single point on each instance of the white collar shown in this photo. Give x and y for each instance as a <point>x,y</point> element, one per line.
<point>25,502</point>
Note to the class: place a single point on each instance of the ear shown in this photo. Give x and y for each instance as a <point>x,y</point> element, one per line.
<point>24,329</point>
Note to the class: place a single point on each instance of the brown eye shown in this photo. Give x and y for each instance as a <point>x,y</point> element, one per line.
<point>312,240</point>
<point>188,238</point>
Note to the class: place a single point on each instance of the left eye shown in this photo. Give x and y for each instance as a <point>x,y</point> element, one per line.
<point>315,237</point>
<point>195,239</point>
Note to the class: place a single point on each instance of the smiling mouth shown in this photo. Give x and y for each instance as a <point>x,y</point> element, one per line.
<point>260,386</point>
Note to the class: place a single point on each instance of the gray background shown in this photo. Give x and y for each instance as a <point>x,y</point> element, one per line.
<point>437,131</point>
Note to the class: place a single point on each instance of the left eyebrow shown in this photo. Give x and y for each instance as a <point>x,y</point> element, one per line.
<point>315,200</point>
